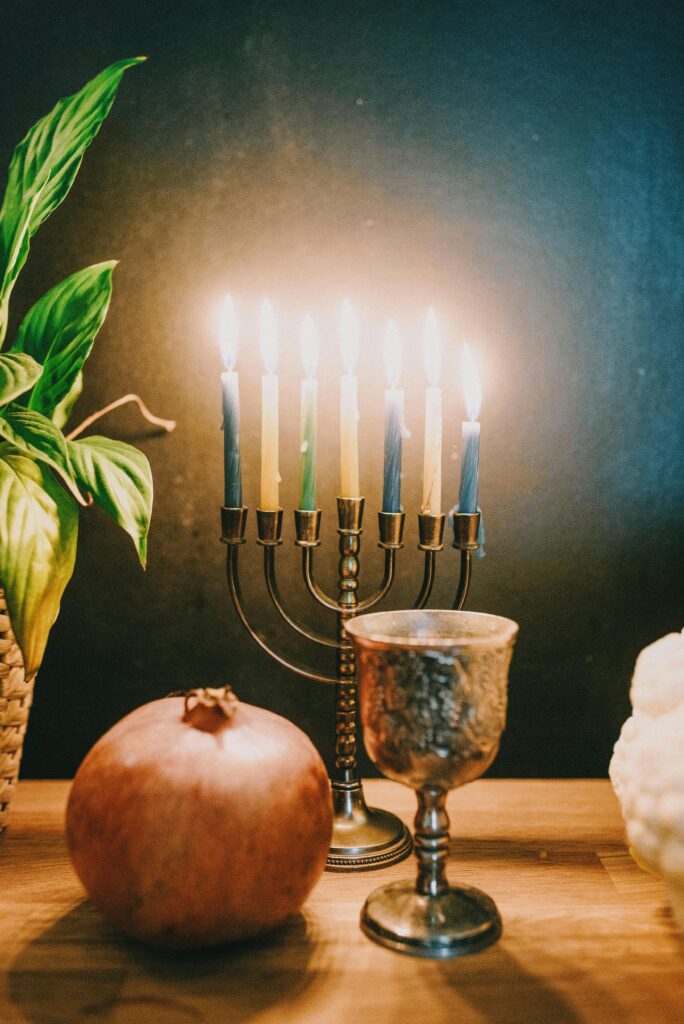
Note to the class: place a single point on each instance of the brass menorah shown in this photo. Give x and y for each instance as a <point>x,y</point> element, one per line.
<point>363,837</point>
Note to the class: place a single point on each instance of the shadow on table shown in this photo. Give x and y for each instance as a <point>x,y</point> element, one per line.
<point>79,969</point>
<point>499,988</point>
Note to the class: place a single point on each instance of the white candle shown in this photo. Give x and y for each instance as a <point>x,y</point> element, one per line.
<point>432,459</point>
<point>309,414</point>
<point>349,404</point>
<point>268,341</point>
<point>470,465</point>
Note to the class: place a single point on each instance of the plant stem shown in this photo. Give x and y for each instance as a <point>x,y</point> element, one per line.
<point>168,425</point>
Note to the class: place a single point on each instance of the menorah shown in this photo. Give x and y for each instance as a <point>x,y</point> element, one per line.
<point>363,837</point>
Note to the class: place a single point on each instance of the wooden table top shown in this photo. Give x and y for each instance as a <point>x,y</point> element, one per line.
<point>587,935</point>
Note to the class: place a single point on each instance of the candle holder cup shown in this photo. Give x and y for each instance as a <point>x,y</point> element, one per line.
<point>431,531</point>
<point>233,523</point>
<point>269,527</point>
<point>308,527</point>
<point>363,838</point>
<point>391,530</point>
<point>433,691</point>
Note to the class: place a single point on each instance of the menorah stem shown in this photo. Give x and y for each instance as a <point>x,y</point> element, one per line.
<point>345,703</point>
<point>363,837</point>
<point>348,800</point>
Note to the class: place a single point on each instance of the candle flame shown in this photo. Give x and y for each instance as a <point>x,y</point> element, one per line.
<point>228,333</point>
<point>432,349</point>
<point>308,340</point>
<point>268,337</point>
<point>392,355</point>
<point>472,386</point>
<point>349,337</point>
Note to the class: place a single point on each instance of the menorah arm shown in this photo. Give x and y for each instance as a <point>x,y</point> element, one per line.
<point>312,586</point>
<point>428,580</point>
<point>257,635</point>
<point>463,579</point>
<point>274,592</point>
<point>387,581</point>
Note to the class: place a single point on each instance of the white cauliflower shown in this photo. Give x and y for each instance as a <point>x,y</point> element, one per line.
<point>647,768</point>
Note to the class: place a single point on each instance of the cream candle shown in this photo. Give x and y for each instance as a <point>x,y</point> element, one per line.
<point>432,457</point>
<point>349,403</point>
<point>470,464</point>
<point>394,421</point>
<point>230,401</point>
<point>268,342</point>
<point>309,414</point>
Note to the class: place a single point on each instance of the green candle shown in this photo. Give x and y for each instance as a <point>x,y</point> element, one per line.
<point>309,414</point>
<point>470,466</point>
<point>394,421</point>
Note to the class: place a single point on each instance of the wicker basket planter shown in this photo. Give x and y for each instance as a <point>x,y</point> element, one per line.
<point>16,694</point>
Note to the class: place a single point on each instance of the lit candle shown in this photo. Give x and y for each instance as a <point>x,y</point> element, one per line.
<point>472,396</point>
<point>432,459</point>
<point>309,414</point>
<point>230,393</point>
<point>349,404</point>
<point>394,421</point>
<point>268,342</point>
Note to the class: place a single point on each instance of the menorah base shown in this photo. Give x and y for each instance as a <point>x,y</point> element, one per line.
<point>364,838</point>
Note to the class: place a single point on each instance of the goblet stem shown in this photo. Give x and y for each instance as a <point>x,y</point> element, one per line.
<point>431,842</point>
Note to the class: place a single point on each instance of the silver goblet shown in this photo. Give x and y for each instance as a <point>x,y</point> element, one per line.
<point>433,695</point>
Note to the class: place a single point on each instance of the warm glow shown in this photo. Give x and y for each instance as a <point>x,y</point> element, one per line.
<point>228,333</point>
<point>472,387</point>
<point>308,340</point>
<point>268,337</point>
<point>392,355</point>
<point>349,337</point>
<point>432,349</point>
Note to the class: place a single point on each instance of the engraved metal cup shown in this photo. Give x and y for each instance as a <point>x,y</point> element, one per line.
<point>433,690</point>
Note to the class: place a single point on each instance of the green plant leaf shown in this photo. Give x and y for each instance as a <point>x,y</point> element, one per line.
<point>59,331</point>
<point>38,533</point>
<point>37,436</point>
<point>60,416</point>
<point>43,168</point>
<point>18,373</point>
<point>119,478</point>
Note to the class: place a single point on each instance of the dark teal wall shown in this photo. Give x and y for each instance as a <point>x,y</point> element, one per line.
<point>519,166</point>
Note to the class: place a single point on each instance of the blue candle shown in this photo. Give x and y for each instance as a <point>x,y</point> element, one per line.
<point>470,462</point>
<point>394,421</point>
<point>230,394</point>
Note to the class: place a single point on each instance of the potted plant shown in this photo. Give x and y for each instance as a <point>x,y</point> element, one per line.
<point>45,475</point>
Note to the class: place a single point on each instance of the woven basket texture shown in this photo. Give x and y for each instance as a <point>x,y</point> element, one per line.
<point>16,694</point>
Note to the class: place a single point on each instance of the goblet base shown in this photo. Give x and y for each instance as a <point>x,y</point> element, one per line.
<point>461,921</point>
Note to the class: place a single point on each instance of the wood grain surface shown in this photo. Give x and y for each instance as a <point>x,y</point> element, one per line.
<point>587,935</point>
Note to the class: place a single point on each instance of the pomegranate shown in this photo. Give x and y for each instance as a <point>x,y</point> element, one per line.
<point>199,820</point>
